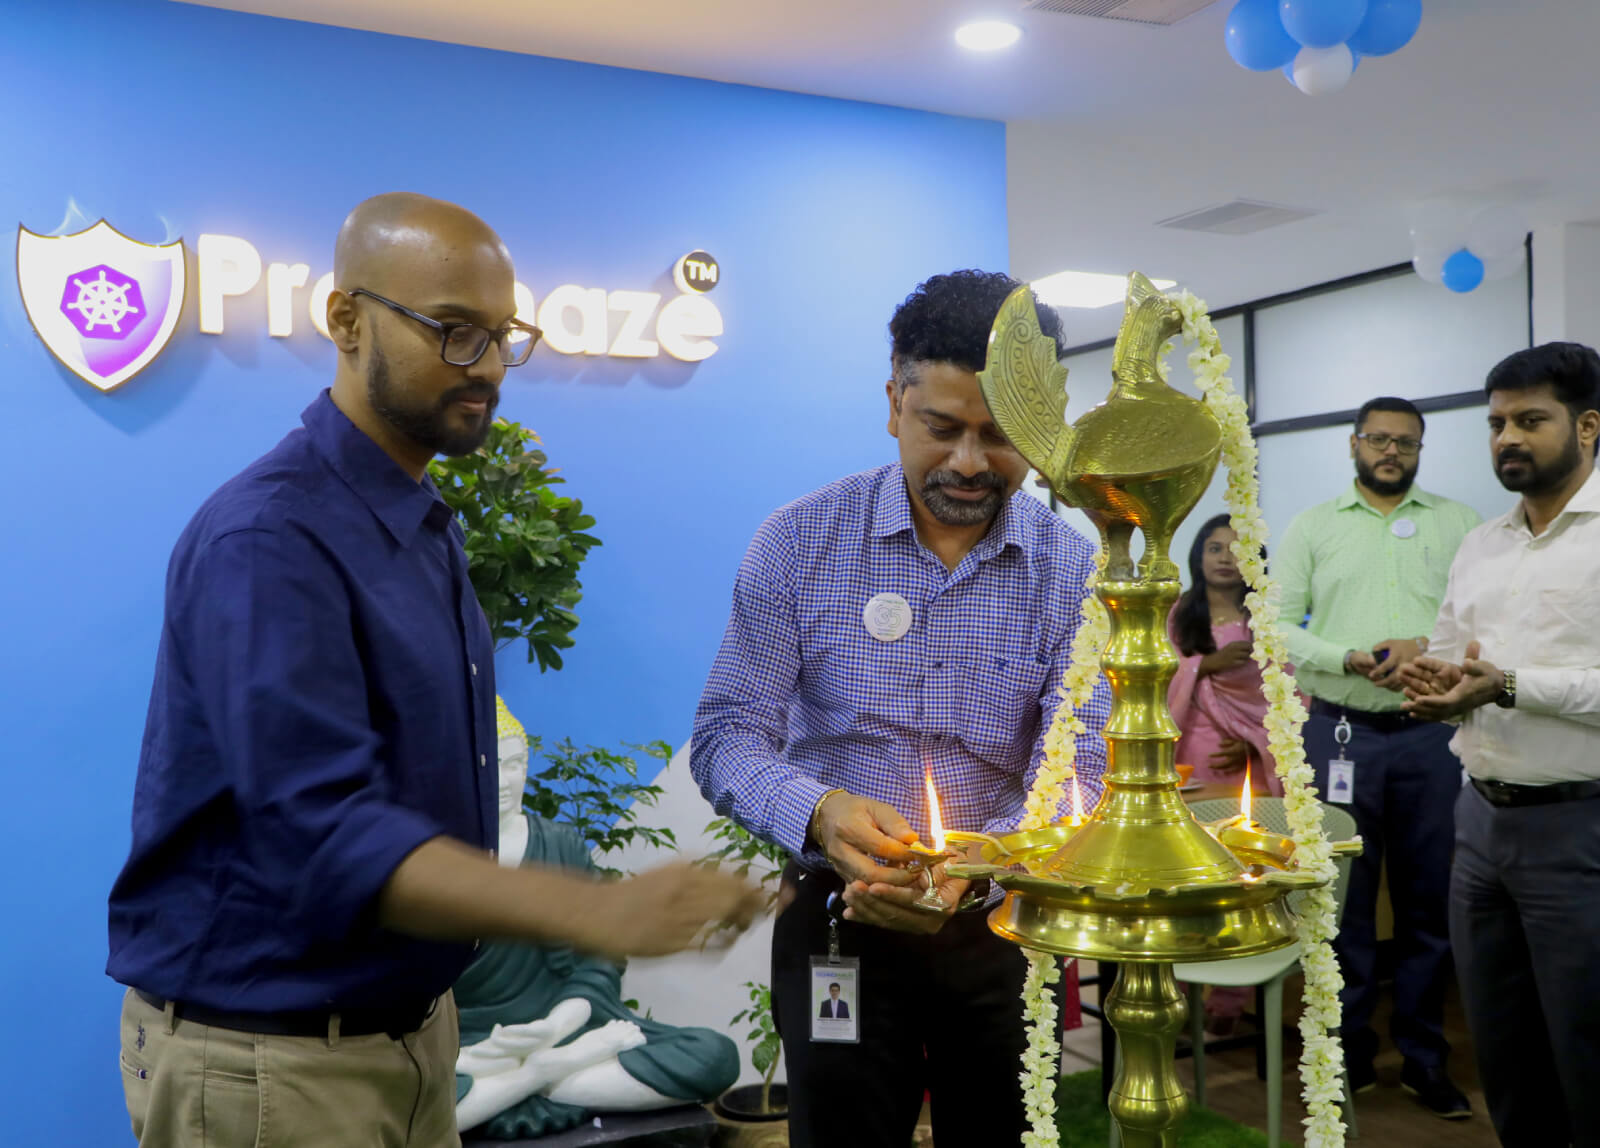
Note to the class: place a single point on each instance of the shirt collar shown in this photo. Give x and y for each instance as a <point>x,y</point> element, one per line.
<point>1585,500</point>
<point>892,515</point>
<point>892,510</point>
<point>1351,498</point>
<point>399,502</point>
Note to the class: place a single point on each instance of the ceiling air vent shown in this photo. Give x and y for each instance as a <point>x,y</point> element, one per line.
<point>1241,217</point>
<point>1138,11</point>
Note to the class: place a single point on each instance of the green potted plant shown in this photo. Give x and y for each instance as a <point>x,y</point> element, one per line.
<point>753,1114</point>
<point>525,544</point>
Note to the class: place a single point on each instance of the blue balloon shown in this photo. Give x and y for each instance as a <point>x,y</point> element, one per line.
<point>1388,27</point>
<point>1255,36</point>
<point>1463,271</point>
<point>1321,23</point>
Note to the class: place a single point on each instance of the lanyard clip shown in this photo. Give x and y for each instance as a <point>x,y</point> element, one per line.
<point>833,941</point>
<point>1342,732</point>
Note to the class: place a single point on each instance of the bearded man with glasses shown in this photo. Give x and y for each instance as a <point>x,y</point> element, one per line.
<point>316,803</point>
<point>1370,569</point>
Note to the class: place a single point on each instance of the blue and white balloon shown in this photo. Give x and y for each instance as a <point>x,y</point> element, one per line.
<point>1496,232</point>
<point>1256,38</point>
<point>1322,23</point>
<point>1322,71</point>
<point>1462,272</point>
<point>1387,27</point>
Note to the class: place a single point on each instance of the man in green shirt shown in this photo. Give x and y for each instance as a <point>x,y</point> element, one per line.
<point>1370,568</point>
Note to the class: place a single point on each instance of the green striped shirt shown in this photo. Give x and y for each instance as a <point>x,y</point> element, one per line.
<point>1364,577</point>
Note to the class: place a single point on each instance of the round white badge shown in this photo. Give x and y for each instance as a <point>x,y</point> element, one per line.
<point>887,617</point>
<point>1403,528</point>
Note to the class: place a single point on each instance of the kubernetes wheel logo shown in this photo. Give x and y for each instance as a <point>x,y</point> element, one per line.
<point>104,304</point>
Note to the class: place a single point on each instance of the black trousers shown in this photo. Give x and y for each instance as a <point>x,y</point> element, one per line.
<point>941,1013</point>
<point>1525,921</point>
<point>1406,784</point>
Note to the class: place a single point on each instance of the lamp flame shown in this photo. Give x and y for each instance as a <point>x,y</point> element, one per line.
<point>1244,796</point>
<point>933,810</point>
<point>1077,800</point>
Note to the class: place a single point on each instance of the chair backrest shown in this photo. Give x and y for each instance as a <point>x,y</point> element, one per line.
<point>1337,823</point>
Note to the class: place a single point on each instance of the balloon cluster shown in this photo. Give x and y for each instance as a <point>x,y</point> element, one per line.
<point>1318,43</point>
<point>1461,244</point>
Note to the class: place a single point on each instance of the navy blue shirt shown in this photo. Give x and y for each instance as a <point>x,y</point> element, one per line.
<point>323,704</point>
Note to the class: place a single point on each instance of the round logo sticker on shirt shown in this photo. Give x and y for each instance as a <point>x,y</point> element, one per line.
<point>887,617</point>
<point>1403,528</point>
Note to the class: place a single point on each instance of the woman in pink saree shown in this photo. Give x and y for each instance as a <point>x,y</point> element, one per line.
<point>1216,697</point>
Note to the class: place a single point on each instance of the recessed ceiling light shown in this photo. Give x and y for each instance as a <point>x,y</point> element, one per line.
<point>1087,289</point>
<point>987,35</point>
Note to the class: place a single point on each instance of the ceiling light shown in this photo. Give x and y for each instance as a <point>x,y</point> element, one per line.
<point>1087,289</point>
<point>987,35</point>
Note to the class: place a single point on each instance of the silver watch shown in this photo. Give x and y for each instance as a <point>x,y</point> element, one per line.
<point>1508,692</point>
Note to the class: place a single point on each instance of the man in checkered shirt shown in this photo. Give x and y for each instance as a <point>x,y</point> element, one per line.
<point>909,620</point>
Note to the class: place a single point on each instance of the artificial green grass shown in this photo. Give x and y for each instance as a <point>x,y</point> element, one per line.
<point>1084,1122</point>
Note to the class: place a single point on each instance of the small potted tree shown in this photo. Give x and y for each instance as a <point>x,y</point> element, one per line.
<point>753,1115</point>
<point>525,544</point>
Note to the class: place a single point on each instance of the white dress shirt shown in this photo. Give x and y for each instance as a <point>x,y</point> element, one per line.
<point>1533,605</point>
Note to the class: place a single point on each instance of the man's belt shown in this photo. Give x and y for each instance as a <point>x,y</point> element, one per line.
<point>1388,722</point>
<point>395,1022</point>
<point>1509,796</point>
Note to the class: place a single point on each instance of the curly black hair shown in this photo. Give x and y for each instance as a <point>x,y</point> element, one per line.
<point>947,320</point>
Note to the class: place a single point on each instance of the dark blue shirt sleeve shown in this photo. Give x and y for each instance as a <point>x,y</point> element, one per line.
<point>274,650</point>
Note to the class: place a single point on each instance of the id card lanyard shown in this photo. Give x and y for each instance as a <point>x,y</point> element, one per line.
<point>1341,770</point>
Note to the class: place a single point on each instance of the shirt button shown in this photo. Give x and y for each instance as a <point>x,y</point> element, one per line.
<point>483,759</point>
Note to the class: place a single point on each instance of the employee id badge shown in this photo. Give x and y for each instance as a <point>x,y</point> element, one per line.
<point>1341,780</point>
<point>1341,770</point>
<point>835,995</point>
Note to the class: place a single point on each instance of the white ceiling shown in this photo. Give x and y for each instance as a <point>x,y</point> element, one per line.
<point>1114,126</point>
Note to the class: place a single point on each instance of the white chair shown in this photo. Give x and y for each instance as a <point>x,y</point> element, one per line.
<point>1268,970</point>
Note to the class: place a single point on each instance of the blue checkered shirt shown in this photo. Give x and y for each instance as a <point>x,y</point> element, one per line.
<point>802,699</point>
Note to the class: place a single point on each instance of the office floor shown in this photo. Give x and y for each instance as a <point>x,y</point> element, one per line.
<point>1386,1115</point>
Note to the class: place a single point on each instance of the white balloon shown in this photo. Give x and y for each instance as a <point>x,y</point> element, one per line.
<point>1502,266</point>
<point>1497,231</point>
<point>1429,267</point>
<point>1323,71</point>
<point>1440,224</point>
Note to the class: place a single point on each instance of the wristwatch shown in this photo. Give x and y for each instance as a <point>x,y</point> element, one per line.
<point>1508,691</point>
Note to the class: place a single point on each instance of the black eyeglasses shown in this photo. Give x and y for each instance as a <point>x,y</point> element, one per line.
<point>463,344</point>
<point>1380,442</point>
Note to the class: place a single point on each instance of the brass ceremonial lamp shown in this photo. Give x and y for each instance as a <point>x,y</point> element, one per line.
<point>1140,883</point>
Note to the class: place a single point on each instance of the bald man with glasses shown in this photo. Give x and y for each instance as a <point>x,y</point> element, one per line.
<point>316,802</point>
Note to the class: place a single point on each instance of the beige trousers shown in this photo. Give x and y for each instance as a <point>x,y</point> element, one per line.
<point>192,1086</point>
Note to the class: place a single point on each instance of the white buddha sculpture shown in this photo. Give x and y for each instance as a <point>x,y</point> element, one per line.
<point>546,1041</point>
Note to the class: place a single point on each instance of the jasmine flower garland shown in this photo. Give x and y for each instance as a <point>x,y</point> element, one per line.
<point>1321,1060</point>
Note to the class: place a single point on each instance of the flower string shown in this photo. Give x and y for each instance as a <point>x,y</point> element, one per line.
<point>1321,1061</point>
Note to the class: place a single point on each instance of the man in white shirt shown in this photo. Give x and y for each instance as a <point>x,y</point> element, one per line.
<point>1515,658</point>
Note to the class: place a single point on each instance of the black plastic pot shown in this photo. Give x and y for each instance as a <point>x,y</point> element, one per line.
<point>744,1103</point>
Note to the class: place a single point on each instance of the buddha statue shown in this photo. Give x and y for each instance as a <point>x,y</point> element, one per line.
<point>546,1042</point>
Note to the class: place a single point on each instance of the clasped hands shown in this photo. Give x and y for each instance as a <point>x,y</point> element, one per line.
<point>1383,664</point>
<point>1436,690</point>
<point>854,833</point>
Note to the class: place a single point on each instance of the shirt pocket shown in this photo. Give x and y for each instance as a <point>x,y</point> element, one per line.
<point>1000,708</point>
<point>848,672</point>
<point>1568,628</point>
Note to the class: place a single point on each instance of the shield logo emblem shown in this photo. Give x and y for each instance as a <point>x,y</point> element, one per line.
<point>104,304</point>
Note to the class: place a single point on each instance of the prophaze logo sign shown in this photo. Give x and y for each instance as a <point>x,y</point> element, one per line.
<point>106,305</point>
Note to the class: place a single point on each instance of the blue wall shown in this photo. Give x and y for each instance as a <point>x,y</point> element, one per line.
<point>172,120</point>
